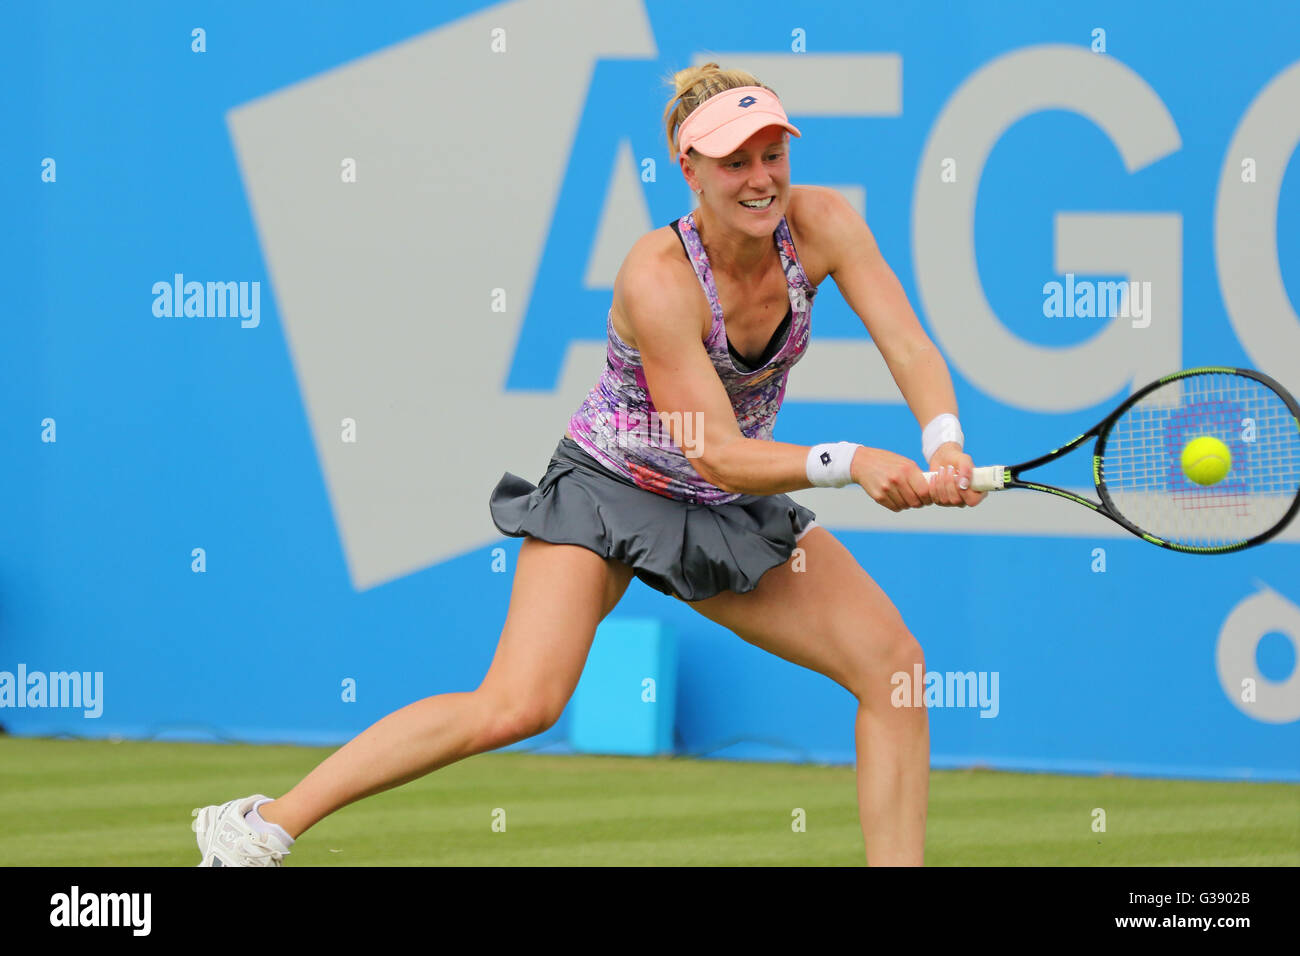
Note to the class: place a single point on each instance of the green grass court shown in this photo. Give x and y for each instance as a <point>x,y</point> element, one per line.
<point>99,803</point>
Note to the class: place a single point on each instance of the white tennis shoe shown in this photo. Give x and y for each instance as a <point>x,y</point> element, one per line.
<point>226,839</point>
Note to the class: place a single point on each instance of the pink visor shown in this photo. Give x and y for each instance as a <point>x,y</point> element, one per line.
<point>722,123</point>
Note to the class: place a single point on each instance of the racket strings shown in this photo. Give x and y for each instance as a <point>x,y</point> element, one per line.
<point>1142,462</point>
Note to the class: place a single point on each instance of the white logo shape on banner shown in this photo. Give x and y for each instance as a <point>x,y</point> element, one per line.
<point>1266,611</point>
<point>385,285</point>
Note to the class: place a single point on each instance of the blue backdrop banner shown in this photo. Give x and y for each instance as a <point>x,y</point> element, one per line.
<point>291,286</point>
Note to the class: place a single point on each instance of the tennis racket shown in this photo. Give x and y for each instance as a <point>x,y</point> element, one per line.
<point>1137,462</point>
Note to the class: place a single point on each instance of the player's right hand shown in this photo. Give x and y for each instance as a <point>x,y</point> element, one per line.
<point>892,480</point>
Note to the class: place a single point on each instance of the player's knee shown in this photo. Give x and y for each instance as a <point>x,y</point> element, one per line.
<point>896,658</point>
<point>513,722</point>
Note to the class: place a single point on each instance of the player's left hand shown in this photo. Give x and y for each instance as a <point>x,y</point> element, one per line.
<point>953,465</point>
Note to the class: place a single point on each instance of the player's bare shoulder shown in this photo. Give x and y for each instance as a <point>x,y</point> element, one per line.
<point>657,283</point>
<point>819,218</point>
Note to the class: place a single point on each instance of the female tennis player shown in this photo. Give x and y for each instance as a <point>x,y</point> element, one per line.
<point>708,317</point>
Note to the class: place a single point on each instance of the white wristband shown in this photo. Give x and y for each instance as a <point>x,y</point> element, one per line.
<point>943,429</point>
<point>829,464</point>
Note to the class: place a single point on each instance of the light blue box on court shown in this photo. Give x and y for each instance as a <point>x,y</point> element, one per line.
<point>627,696</point>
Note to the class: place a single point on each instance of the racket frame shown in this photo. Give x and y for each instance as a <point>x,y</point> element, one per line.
<point>1011,473</point>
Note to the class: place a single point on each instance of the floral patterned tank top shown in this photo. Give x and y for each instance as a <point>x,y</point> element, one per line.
<point>618,425</point>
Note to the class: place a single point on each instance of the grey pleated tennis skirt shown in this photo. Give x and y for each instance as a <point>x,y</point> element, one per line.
<point>691,551</point>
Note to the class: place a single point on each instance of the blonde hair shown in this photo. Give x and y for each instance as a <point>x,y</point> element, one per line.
<point>692,87</point>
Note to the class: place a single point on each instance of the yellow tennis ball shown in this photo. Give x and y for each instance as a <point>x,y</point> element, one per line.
<point>1206,460</point>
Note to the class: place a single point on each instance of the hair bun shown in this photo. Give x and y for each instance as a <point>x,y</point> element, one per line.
<point>687,78</point>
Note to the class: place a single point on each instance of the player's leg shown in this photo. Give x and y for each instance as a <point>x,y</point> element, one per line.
<point>833,618</point>
<point>560,593</point>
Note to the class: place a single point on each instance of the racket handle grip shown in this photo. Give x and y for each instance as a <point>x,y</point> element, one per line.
<point>984,478</point>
